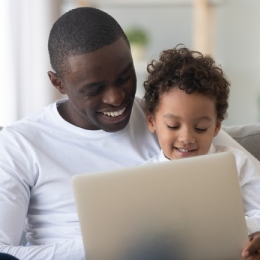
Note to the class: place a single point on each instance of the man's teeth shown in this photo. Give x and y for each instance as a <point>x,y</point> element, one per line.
<point>115,113</point>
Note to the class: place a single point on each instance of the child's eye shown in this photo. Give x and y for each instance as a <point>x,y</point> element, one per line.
<point>201,130</point>
<point>173,127</point>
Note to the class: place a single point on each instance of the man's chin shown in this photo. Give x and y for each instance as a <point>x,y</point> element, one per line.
<point>116,126</point>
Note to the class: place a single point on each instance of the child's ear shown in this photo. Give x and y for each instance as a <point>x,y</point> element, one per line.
<point>150,122</point>
<point>217,128</point>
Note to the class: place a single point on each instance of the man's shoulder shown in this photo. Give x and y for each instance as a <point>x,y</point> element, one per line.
<point>139,102</point>
<point>30,123</point>
<point>138,108</point>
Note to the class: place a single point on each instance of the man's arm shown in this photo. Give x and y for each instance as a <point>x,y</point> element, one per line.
<point>69,250</point>
<point>18,176</point>
<point>14,197</point>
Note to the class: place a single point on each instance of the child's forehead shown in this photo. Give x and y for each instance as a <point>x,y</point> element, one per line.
<point>178,99</point>
<point>185,91</point>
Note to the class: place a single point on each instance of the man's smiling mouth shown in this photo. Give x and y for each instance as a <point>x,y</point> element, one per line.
<point>114,113</point>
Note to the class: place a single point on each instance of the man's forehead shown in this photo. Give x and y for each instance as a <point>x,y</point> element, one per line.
<point>116,54</point>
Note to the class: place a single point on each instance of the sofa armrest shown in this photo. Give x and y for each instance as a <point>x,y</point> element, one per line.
<point>247,135</point>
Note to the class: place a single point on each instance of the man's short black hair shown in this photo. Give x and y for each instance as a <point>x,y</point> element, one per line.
<point>81,30</point>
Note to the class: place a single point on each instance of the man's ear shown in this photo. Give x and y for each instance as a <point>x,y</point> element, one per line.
<point>57,82</point>
<point>217,128</point>
<point>150,122</point>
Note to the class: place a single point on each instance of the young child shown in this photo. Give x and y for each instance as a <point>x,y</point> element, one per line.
<point>186,100</point>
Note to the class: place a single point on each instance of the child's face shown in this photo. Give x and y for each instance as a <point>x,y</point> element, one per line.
<point>184,123</point>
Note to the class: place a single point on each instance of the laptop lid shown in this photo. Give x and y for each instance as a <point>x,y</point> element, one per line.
<point>182,209</point>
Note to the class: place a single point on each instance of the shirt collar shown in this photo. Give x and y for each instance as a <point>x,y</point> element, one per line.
<point>212,149</point>
<point>162,157</point>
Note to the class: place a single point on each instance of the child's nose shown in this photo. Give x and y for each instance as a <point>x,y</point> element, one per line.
<point>186,137</point>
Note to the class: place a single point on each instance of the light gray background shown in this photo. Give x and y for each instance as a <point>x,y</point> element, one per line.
<point>236,45</point>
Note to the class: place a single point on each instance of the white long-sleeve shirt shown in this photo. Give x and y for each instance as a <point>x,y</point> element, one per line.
<point>249,179</point>
<point>38,157</point>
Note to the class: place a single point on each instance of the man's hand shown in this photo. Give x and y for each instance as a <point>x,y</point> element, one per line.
<point>252,249</point>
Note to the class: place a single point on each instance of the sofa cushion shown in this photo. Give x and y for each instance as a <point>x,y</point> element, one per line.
<point>247,135</point>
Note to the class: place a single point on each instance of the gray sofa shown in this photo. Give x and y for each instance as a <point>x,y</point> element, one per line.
<point>248,136</point>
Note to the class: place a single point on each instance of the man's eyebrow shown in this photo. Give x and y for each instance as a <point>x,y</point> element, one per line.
<point>130,66</point>
<point>98,83</point>
<point>91,85</point>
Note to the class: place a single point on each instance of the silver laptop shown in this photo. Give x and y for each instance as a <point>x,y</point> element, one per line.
<point>186,209</point>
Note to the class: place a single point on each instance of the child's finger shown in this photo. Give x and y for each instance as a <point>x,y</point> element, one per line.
<point>253,247</point>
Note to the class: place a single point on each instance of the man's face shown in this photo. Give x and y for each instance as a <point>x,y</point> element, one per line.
<point>184,123</point>
<point>101,88</point>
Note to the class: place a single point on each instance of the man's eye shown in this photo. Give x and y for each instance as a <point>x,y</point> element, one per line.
<point>123,78</point>
<point>92,91</point>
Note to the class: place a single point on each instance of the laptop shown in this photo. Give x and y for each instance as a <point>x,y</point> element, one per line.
<point>186,209</point>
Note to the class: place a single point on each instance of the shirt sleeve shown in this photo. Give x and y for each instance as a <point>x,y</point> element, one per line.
<point>14,198</point>
<point>69,250</point>
<point>16,182</point>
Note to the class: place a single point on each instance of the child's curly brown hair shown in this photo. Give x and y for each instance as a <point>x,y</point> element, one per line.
<point>191,72</point>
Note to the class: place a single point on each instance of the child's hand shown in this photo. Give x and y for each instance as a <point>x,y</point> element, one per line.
<point>252,249</point>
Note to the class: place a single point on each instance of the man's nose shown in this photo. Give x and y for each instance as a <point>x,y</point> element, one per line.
<point>113,95</point>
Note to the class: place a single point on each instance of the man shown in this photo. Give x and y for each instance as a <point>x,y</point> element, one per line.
<point>91,131</point>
